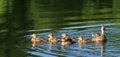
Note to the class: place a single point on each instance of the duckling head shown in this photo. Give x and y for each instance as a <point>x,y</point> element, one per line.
<point>34,35</point>
<point>80,38</point>
<point>64,35</point>
<point>50,35</point>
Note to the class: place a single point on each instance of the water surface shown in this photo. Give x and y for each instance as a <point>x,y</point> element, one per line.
<point>20,19</point>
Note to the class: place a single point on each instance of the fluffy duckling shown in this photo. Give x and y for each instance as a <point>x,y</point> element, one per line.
<point>66,39</point>
<point>35,39</point>
<point>82,41</point>
<point>96,37</point>
<point>52,39</point>
<point>65,42</point>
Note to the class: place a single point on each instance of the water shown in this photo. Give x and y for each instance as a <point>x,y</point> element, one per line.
<point>76,18</point>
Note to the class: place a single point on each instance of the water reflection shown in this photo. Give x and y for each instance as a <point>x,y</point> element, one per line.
<point>50,47</point>
<point>102,47</point>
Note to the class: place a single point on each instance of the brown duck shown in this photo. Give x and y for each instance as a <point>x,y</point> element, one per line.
<point>96,37</point>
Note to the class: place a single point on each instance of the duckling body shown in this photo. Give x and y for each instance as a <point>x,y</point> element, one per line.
<point>53,39</point>
<point>36,39</point>
<point>96,37</point>
<point>65,40</point>
<point>65,43</point>
<point>83,41</point>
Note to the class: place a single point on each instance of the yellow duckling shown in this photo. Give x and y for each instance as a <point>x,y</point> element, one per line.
<point>64,42</point>
<point>66,39</point>
<point>96,37</point>
<point>52,39</point>
<point>36,39</point>
<point>83,41</point>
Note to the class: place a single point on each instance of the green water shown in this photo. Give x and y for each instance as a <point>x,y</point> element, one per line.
<point>21,18</point>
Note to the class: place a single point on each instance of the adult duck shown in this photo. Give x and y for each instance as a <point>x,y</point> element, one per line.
<point>96,37</point>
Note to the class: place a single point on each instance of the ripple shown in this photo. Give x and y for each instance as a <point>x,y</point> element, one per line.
<point>47,29</point>
<point>89,26</point>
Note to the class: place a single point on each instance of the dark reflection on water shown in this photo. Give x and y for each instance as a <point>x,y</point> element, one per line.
<point>19,19</point>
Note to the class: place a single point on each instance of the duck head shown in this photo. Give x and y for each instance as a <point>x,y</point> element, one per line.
<point>80,38</point>
<point>34,35</point>
<point>50,35</point>
<point>64,35</point>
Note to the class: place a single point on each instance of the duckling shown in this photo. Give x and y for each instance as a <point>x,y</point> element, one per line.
<point>96,37</point>
<point>66,39</point>
<point>64,42</point>
<point>36,39</point>
<point>83,41</point>
<point>53,39</point>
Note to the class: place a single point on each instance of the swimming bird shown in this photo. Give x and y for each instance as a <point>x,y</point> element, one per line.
<point>96,37</point>
<point>52,39</point>
<point>81,40</point>
<point>66,39</point>
<point>35,39</point>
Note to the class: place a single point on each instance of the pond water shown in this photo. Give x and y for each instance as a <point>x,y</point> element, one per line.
<point>75,30</point>
<point>76,18</point>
